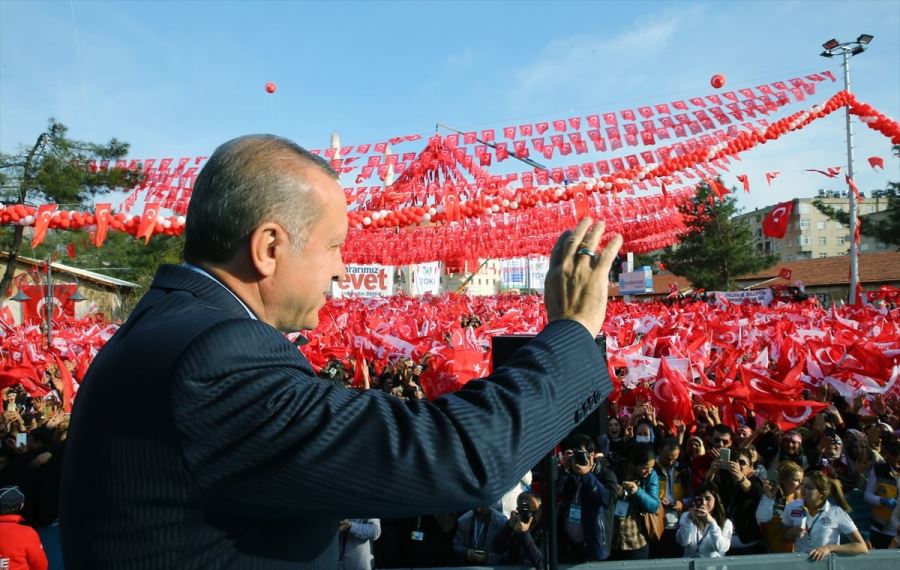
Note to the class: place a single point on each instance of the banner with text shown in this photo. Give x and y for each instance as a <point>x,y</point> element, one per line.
<point>537,272</point>
<point>365,281</point>
<point>759,296</point>
<point>636,282</point>
<point>427,279</point>
<point>514,273</point>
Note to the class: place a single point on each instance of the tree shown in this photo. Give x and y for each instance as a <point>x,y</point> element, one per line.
<point>714,249</point>
<point>55,171</point>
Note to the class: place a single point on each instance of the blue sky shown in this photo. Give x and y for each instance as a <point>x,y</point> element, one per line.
<point>177,79</point>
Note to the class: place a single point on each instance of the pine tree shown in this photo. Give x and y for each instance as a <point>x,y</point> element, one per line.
<point>714,249</point>
<point>55,171</point>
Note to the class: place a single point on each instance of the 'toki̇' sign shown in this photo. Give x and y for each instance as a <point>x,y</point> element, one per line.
<point>365,281</point>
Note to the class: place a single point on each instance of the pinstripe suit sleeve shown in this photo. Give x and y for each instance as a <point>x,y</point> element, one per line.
<point>263,437</point>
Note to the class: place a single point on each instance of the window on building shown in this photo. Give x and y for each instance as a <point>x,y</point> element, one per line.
<point>804,240</point>
<point>823,240</point>
<point>805,224</point>
<point>842,240</point>
<point>820,225</point>
<point>837,225</point>
<point>863,247</point>
<point>804,208</point>
<point>822,254</point>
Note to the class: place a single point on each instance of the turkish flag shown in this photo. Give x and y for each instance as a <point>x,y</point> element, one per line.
<point>559,125</point>
<point>101,218</point>
<point>788,414</point>
<point>670,395</point>
<point>775,223</point>
<point>581,204</point>
<point>148,221</point>
<point>451,205</point>
<point>34,310</point>
<point>876,161</point>
<point>785,273</point>
<point>770,176</point>
<point>41,223</point>
<point>68,386</point>
<point>745,182</point>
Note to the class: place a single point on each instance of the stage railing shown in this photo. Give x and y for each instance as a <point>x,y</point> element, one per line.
<point>874,560</point>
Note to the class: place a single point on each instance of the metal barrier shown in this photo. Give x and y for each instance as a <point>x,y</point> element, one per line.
<point>874,560</point>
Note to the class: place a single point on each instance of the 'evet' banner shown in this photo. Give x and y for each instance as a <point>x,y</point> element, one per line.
<point>365,281</point>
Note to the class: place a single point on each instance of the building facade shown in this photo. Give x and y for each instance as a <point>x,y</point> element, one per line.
<point>810,233</point>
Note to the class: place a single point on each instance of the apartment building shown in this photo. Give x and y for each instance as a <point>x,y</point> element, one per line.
<point>810,233</point>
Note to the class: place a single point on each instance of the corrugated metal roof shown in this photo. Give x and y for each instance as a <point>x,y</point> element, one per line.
<point>77,272</point>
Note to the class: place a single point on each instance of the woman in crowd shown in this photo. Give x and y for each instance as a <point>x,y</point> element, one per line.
<point>703,531</point>
<point>770,511</point>
<point>815,525</point>
<point>882,494</point>
<point>638,495</point>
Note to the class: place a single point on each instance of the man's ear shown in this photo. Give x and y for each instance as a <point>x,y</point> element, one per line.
<point>265,242</point>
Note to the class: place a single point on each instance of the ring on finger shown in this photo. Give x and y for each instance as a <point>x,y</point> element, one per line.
<point>587,252</point>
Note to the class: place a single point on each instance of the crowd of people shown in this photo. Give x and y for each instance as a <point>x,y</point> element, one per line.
<point>645,488</point>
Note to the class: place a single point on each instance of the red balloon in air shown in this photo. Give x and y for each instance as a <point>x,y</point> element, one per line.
<point>717,80</point>
<point>270,87</point>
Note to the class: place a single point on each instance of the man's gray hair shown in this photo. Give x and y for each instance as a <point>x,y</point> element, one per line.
<point>248,181</point>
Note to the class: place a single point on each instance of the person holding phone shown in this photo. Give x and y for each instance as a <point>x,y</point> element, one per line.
<point>704,531</point>
<point>770,511</point>
<point>733,474</point>
<point>475,534</point>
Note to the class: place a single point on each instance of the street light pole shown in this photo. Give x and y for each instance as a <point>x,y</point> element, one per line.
<point>847,50</point>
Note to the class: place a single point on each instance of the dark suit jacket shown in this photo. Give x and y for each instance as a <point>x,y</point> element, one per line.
<point>201,438</point>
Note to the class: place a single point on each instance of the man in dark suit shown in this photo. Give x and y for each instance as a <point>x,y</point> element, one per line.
<point>232,454</point>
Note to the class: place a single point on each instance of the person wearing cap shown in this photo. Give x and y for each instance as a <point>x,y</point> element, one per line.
<point>20,545</point>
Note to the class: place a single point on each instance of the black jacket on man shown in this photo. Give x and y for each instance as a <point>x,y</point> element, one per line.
<point>201,438</point>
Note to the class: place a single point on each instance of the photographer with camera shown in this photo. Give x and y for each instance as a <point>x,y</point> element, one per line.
<point>586,489</point>
<point>637,498</point>
<point>703,531</point>
<point>523,537</point>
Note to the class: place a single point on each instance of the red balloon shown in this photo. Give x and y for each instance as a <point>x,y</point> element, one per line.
<point>270,87</point>
<point>717,80</point>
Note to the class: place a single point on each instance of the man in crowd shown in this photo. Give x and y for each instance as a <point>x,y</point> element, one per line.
<point>524,537</point>
<point>673,488</point>
<point>476,531</point>
<point>231,458</point>
<point>357,536</point>
<point>584,502</point>
<point>722,438</point>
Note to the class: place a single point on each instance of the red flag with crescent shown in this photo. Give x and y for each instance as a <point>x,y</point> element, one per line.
<point>148,221</point>
<point>101,219</point>
<point>775,223</point>
<point>41,223</point>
